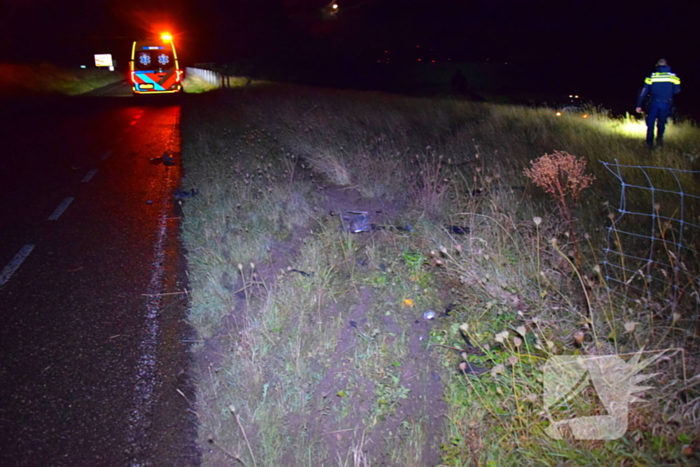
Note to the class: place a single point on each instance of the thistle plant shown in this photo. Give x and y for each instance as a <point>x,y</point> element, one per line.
<point>562,175</point>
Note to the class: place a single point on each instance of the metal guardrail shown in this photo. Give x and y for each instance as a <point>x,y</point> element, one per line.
<point>210,76</point>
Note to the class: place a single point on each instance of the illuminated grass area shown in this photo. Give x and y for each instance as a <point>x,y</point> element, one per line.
<point>17,80</point>
<point>634,127</point>
<point>197,85</point>
<point>312,344</point>
<point>194,84</point>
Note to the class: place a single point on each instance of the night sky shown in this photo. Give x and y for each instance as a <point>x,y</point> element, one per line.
<point>582,41</point>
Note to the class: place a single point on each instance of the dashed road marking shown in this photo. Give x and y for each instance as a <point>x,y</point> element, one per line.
<point>60,209</point>
<point>89,176</point>
<point>107,154</point>
<point>15,263</point>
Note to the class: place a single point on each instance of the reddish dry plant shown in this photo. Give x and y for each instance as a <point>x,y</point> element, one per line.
<point>562,175</point>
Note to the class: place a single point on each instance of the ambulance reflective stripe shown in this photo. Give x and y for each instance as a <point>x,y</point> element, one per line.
<point>147,79</point>
<point>159,83</point>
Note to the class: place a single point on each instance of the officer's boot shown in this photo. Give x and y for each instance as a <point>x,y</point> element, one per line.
<point>660,137</point>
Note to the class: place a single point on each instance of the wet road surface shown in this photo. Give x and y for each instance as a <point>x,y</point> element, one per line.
<point>93,346</point>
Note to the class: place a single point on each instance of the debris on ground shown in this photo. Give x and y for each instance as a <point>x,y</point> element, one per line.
<point>458,229</point>
<point>165,159</point>
<point>471,369</point>
<point>303,273</point>
<point>168,159</point>
<point>429,314</point>
<point>356,221</point>
<point>182,195</point>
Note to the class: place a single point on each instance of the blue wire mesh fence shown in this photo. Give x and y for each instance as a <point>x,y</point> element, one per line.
<point>654,238</point>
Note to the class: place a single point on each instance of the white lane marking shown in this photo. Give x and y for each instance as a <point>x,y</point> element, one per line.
<point>15,263</point>
<point>89,176</point>
<point>107,154</point>
<point>59,210</point>
<point>146,368</point>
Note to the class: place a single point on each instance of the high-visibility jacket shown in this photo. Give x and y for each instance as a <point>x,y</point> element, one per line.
<point>660,86</point>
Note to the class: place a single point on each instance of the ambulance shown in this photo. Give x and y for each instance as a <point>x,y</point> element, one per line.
<point>154,67</point>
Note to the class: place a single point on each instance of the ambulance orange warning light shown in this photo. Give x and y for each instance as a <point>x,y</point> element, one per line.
<point>166,36</point>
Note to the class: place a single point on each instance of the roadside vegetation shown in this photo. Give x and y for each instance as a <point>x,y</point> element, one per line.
<point>376,280</point>
<point>17,80</point>
<point>193,84</point>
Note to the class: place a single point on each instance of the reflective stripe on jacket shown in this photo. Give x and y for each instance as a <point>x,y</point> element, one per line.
<point>660,86</point>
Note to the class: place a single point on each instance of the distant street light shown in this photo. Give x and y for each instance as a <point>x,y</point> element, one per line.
<point>330,11</point>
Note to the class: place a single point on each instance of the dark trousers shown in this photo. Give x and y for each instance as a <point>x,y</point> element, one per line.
<point>658,114</point>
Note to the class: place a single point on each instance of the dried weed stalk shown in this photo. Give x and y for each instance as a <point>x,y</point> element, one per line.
<point>563,176</point>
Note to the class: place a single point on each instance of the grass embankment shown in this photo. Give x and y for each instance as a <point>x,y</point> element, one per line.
<point>313,349</point>
<point>18,80</point>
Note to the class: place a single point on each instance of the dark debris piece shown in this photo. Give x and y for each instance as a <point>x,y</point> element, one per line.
<point>165,159</point>
<point>182,195</point>
<point>303,273</point>
<point>447,311</point>
<point>467,368</point>
<point>458,229</point>
<point>355,324</point>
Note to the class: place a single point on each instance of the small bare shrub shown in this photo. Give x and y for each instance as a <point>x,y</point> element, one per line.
<point>562,175</point>
<point>430,184</point>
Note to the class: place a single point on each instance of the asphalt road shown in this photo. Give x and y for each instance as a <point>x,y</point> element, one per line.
<point>93,351</point>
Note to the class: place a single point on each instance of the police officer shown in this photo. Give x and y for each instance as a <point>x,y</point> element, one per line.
<point>660,86</point>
